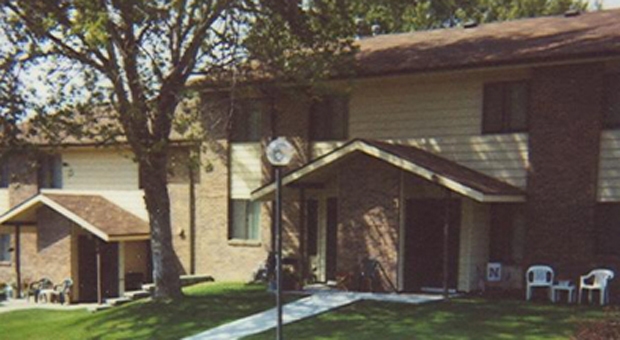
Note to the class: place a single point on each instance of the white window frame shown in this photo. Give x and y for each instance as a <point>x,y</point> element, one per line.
<point>245,220</point>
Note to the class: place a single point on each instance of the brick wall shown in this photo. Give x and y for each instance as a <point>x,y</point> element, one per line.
<point>23,176</point>
<point>564,133</point>
<point>368,215</point>
<point>45,250</point>
<point>216,255</point>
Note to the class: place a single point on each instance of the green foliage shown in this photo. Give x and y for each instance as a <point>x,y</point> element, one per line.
<point>301,45</point>
<point>404,16</point>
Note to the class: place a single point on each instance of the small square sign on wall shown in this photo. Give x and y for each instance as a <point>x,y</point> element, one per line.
<point>494,271</point>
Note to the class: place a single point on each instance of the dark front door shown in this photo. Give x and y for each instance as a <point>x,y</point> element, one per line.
<point>87,269</point>
<point>424,243</point>
<point>331,251</point>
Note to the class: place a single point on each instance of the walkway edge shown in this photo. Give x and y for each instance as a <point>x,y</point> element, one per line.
<point>299,310</point>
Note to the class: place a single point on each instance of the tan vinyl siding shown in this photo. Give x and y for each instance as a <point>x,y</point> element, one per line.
<point>609,170</point>
<point>4,200</point>
<point>321,148</point>
<point>130,200</point>
<point>98,169</point>
<point>421,106</point>
<point>474,244</point>
<point>246,171</point>
<point>439,113</point>
<point>504,157</point>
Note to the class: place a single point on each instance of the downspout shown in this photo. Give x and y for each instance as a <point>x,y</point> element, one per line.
<point>446,235</point>
<point>18,270</point>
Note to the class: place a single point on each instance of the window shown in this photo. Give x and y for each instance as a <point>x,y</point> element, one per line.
<point>4,173</point>
<point>611,101</point>
<point>329,119</point>
<point>505,107</point>
<point>5,248</point>
<point>245,220</point>
<point>251,119</point>
<point>607,229</point>
<point>50,171</point>
<point>507,233</point>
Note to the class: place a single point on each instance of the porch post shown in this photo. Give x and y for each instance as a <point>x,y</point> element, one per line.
<point>303,234</point>
<point>18,269</point>
<point>99,288</point>
<point>121,268</point>
<point>446,234</point>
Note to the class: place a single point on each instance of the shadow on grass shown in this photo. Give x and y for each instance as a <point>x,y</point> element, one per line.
<point>198,311</point>
<point>204,307</point>
<point>455,319</point>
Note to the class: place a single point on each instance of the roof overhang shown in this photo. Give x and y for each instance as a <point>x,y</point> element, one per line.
<point>472,187</point>
<point>25,214</point>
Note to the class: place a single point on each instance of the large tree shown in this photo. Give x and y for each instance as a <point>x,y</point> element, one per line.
<point>126,66</point>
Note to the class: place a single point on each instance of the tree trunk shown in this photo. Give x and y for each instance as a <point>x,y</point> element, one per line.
<point>165,268</point>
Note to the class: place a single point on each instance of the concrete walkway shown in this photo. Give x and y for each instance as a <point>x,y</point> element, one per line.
<point>301,309</point>
<point>21,304</point>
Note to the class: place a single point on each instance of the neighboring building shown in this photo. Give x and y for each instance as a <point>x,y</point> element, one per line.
<point>65,205</point>
<point>508,129</point>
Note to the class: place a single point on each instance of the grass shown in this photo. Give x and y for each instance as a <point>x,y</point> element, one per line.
<point>209,305</point>
<point>205,306</point>
<point>463,318</point>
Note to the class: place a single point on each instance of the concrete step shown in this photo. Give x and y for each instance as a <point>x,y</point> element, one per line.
<point>137,294</point>
<point>98,308</point>
<point>117,301</point>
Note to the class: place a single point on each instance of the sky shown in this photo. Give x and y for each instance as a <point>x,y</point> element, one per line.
<point>608,4</point>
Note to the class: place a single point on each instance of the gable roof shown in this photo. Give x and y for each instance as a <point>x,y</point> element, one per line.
<point>427,165</point>
<point>94,213</point>
<point>543,39</point>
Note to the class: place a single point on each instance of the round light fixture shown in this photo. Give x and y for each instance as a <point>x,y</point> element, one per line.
<point>280,152</point>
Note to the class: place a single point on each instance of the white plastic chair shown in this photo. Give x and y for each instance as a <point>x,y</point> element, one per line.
<point>597,279</point>
<point>538,277</point>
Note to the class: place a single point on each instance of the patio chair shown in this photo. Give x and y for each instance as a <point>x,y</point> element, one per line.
<point>597,279</point>
<point>35,288</point>
<point>62,291</point>
<point>538,276</point>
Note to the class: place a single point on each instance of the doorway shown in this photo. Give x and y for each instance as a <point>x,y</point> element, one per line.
<point>424,243</point>
<point>322,237</point>
<point>87,268</point>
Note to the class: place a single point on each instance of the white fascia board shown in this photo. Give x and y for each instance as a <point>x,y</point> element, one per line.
<point>321,162</point>
<point>33,202</point>
<point>394,160</point>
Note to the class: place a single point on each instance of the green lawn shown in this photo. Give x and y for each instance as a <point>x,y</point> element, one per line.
<point>209,305</point>
<point>204,307</point>
<point>462,318</point>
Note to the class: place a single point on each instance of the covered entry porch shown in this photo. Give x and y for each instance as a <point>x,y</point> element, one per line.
<point>100,246</point>
<point>425,220</point>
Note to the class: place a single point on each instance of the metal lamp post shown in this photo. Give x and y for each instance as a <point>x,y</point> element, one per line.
<point>279,153</point>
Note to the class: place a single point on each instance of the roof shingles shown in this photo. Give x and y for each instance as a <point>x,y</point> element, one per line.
<point>543,39</point>
<point>106,216</point>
